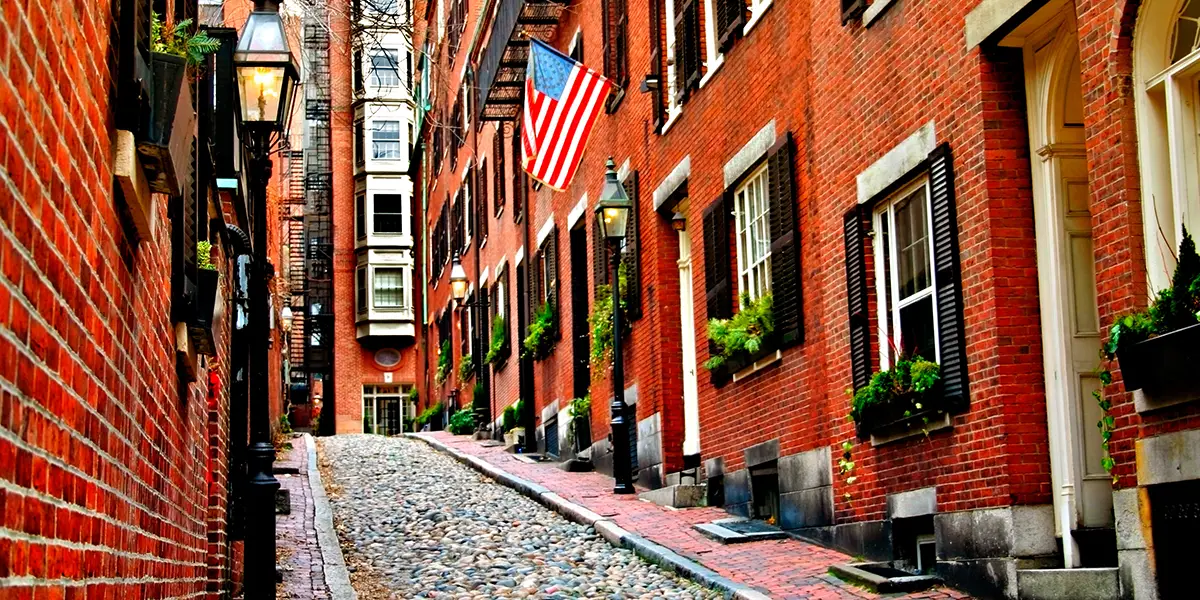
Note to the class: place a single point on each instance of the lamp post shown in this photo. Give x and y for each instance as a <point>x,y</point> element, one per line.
<point>612,213</point>
<point>266,76</point>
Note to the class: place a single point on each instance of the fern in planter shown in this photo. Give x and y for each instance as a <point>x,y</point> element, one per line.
<point>175,39</point>
<point>443,364</point>
<point>498,350</point>
<point>540,340</point>
<point>600,321</point>
<point>743,335</point>
<point>895,393</point>
<point>466,369</point>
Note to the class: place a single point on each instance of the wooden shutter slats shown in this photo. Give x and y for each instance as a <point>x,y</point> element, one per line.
<point>786,284</point>
<point>600,252</point>
<point>498,168</point>
<point>552,278</point>
<point>951,330</point>
<point>687,48</point>
<point>856,295</point>
<point>717,275</point>
<point>633,253</point>
<point>731,17</point>
<point>656,66</point>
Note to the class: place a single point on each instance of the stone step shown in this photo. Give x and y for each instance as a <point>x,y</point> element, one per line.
<point>1075,584</point>
<point>739,531</point>
<point>677,496</point>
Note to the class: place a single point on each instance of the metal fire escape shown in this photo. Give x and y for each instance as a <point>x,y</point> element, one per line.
<point>318,218</point>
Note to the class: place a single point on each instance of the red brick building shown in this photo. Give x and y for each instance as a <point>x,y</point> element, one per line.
<point>960,180</point>
<point>124,417</point>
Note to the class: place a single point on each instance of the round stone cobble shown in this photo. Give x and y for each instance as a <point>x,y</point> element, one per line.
<point>425,526</point>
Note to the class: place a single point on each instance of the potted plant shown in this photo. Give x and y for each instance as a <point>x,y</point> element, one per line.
<point>1157,348</point>
<point>540,340</point>
<point>207,279</point>
<point>164,133</point>
<point>510,424</point>
<point>900,396</point>
<point>739,341</point>
<point>443,363</point>
<point>498,349</point>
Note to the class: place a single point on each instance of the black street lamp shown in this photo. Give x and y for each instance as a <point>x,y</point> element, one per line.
<point>612,213</point>
<point>266,76</point>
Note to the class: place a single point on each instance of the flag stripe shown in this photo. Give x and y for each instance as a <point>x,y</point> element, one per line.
<point>558,114</point>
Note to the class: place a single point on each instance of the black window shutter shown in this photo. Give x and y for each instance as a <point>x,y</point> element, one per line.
<point>718,287</point>
<point>520,186</point>
<point>600,264</point>
<point>851,9</point>
<point>731,17</point>
<point>656,66</point>
<point>687,48</point>
<point>456,238</point>
<point>785,245</point>
<point>498,167</point>
<point>481,201</point>
<point>552,270</point>
<point>951,332</point>
<point>632,292</point>
<point>856,294</point>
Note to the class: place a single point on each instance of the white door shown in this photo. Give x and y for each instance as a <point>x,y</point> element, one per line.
<point>691,397</point>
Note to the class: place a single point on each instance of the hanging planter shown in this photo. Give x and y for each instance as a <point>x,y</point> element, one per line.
<point>207,280</point>
<point>164,141</point>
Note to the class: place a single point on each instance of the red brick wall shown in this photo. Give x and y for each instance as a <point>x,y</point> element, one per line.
<point>848,94</point>
<point>108,487</point>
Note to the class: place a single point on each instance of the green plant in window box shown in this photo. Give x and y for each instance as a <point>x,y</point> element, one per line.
<point>1154,347</point>
<point>200,324</point>
<point>175,39</point>
<point>498,349</point>
<point>540,340</point>
<point>745,334</point>
<point>466,368</point>
<point>908,389</point>
<point>443,364</point>
<point>600,321</point>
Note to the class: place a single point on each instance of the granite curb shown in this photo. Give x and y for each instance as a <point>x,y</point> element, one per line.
<point>337,577</point>
<point>610,531</point>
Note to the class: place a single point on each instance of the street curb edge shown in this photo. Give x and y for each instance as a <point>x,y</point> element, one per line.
<point>610,531</point>
<point>337,577</point>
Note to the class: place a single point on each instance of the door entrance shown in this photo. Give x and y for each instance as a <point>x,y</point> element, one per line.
<point>691,396</point>
<point>1070,323</point>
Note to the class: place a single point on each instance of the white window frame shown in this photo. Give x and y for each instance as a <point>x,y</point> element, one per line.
<point>383,391</point>
<point>713,57</point>
<point>889,315</point>
<point>405,288</point>
<point>373,76</point>
<point>468,231</point>
<point>498,286</point>
<point>674,109</point>
<point>757,9</point>
<point>1166,96</point>
<point>399,143</point>
<point>744,206</point>
<point>362,300</point>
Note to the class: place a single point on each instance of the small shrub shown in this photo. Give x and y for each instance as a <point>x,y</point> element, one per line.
<point>427,414</point>
<point>285,425</point>
<point>509,419</point>
<point>462,422</point>
<point>466,368</point>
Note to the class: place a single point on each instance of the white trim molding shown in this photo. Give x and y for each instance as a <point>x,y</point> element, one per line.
<point>577,212</point>
<point>755,149</point>
<point>897,163</point>
<point>544,232</point>
<point>519,257</point>
<point>483,278</point>
<point>673,180</point>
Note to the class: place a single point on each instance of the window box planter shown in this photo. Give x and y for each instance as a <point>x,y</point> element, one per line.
<point>201,327</point>
<point>1159,370</point>
<point>741,361</point>
<point>166,131</point>
<point>882,423</point>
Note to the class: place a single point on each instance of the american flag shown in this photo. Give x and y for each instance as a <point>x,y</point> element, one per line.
<point>562,100</point>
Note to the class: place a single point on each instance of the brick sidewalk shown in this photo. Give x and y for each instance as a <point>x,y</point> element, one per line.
<point>296,533</point>
<point>783,569</point>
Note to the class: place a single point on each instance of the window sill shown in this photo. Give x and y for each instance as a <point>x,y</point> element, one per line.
<point>874,11</point>
<point>910,427</point>
<point>712,70</point>
<point>614,101</point>
<point>758,365</point>
<point>756,17</point>
<point>673,114</point>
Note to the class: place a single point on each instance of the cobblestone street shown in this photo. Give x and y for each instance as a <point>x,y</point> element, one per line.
<point>414,523</point>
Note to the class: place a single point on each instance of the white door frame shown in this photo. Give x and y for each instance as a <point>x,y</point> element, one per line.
<point>1051,53</point>
<point>691,394</point>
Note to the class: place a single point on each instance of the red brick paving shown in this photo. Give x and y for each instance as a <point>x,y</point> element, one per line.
<point>296,534</point>
<point>788,569</point>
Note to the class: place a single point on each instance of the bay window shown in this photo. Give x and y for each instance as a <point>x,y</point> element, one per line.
<point>385,140</point>
<point>385,69</point>
<point>389,289</point>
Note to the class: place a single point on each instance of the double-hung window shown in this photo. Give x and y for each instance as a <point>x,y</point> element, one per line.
<point>904,275</point>
<point>385,69</point>
<point>360,277</point>
<point>385,140</point>
<point>753,235</point>
<point>389,288</point>
<point>389,213</point>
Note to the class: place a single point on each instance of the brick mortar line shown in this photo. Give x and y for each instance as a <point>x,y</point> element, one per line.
<point>612,533</point>
<point>333,564</point>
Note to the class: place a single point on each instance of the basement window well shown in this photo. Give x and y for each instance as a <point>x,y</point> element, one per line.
<point>764,491</point>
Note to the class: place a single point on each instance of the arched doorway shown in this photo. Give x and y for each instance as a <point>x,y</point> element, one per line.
<point>1070,323</point>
